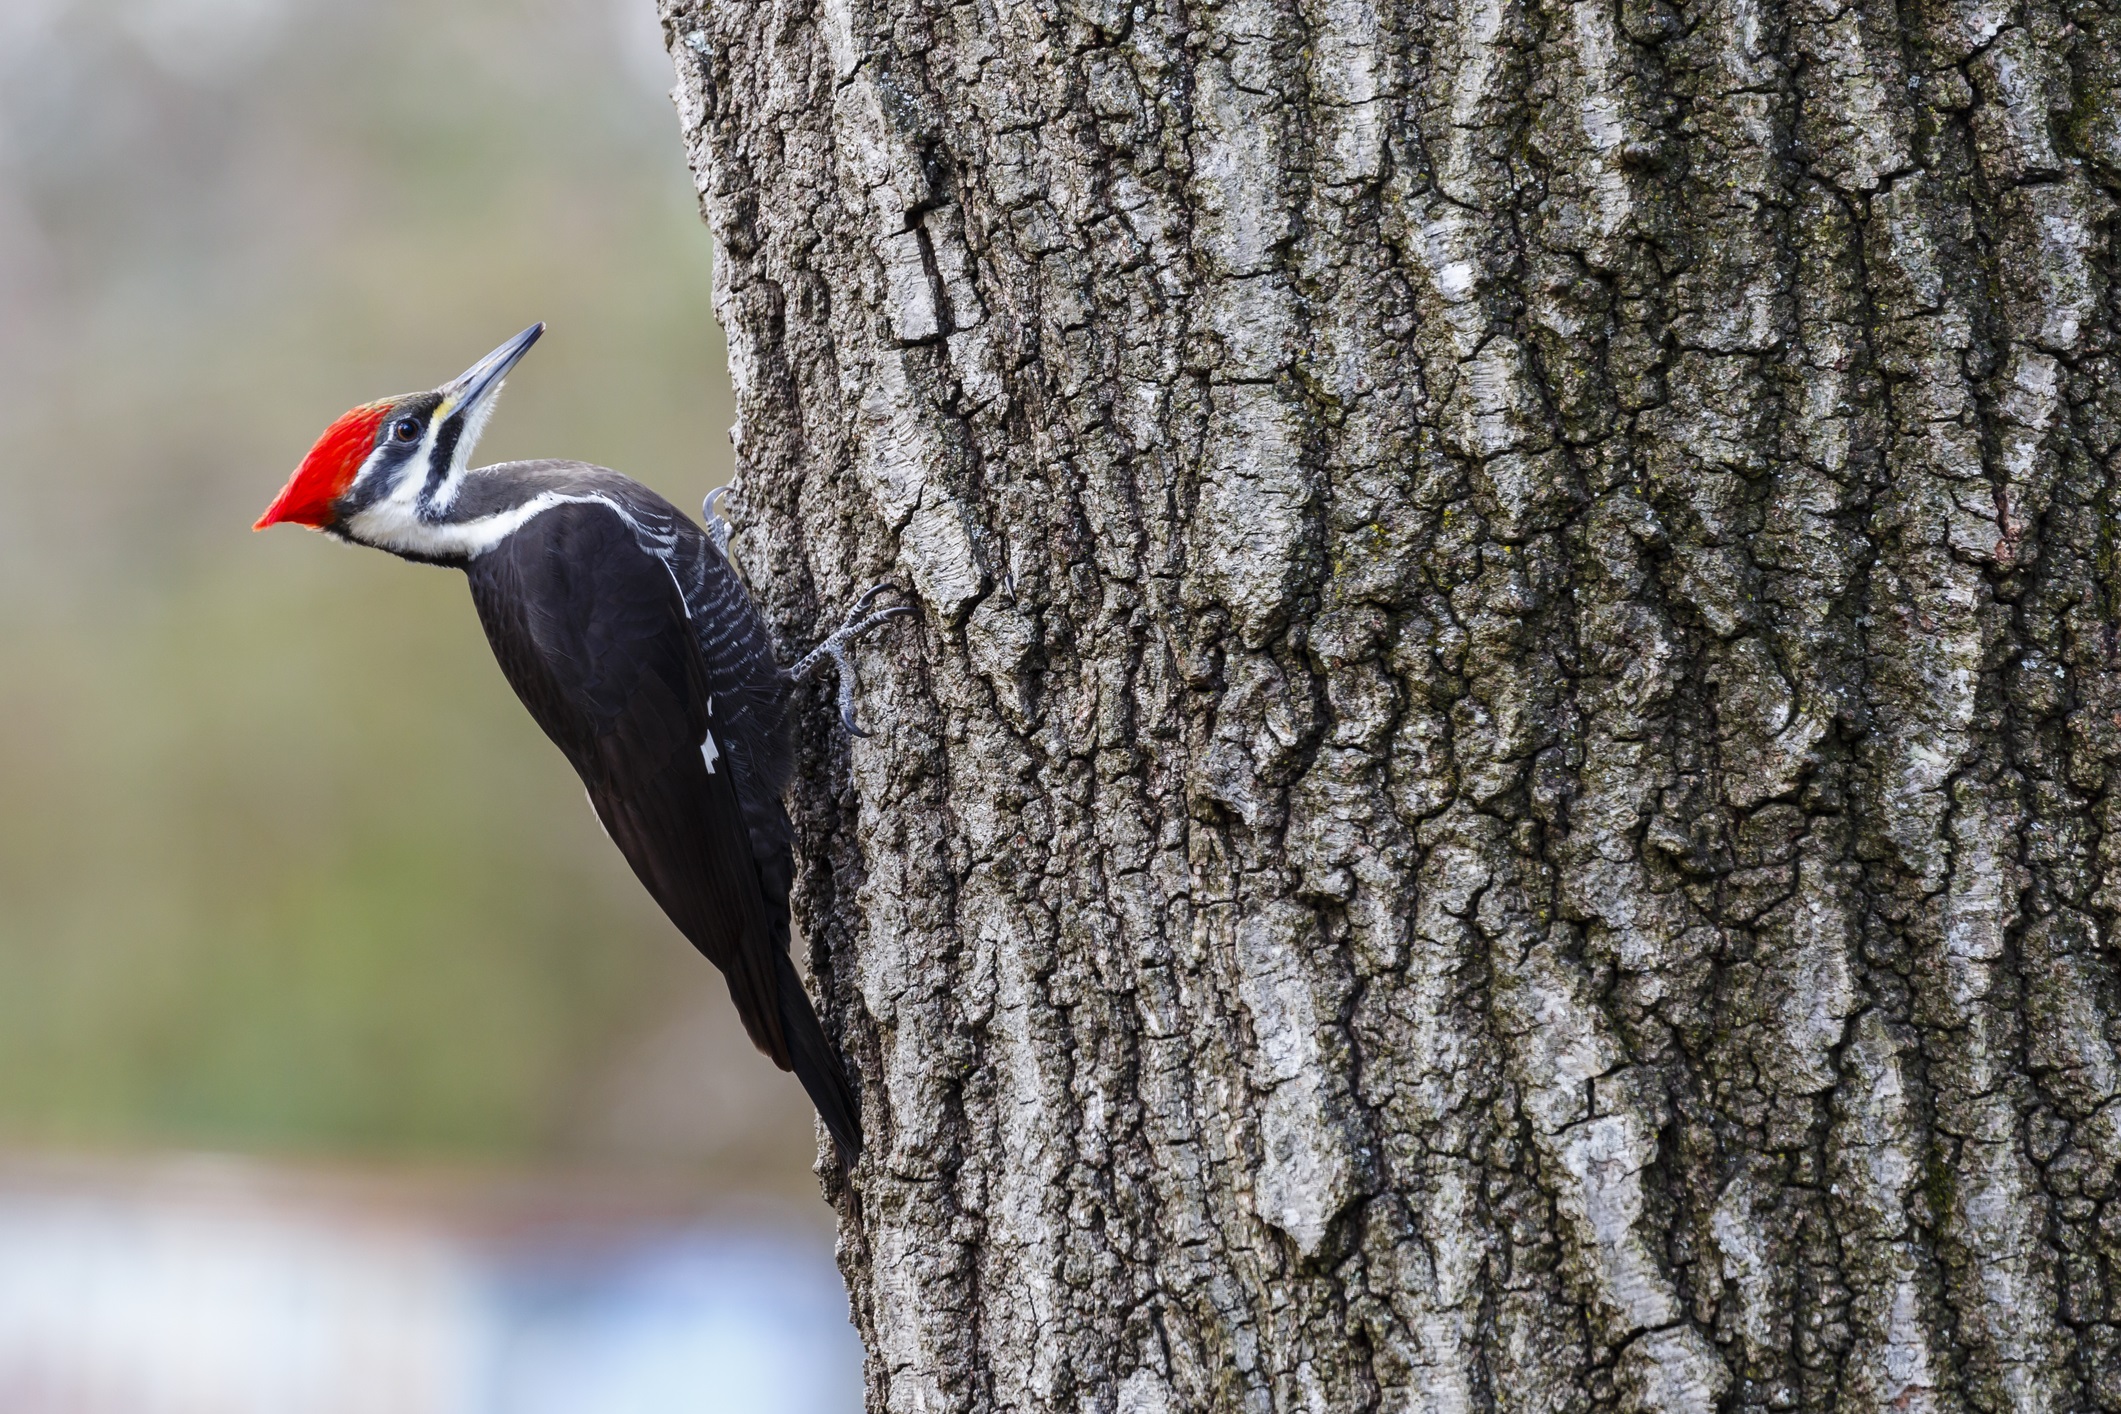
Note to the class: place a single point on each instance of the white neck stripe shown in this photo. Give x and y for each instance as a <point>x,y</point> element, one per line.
<point>389,527</point>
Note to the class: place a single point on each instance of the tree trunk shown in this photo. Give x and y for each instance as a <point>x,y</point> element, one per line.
<point>1505,793</point>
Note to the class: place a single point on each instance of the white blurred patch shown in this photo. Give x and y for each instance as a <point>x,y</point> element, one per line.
<point>219,1297</point>
<point>115,1307</point>
<point>26,26</point>
<point>203,41</point>
<point>714,1325</point>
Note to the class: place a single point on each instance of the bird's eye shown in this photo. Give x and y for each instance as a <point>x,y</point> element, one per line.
<point>406,429</point>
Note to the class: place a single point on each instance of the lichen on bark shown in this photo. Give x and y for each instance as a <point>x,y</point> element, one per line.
<point>1504,793</point>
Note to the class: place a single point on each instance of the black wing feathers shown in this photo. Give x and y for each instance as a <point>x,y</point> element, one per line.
<point>592,635</point>
<point>592,632</point>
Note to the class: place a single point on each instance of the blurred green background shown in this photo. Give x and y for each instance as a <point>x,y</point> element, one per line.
<point>284,868</point>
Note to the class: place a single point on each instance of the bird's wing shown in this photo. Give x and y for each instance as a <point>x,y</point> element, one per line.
<point>591,631</point>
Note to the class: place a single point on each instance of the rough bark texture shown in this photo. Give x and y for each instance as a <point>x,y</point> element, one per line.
<point>1506,792</point>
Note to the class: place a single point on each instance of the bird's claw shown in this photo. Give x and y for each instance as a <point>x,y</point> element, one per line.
<point>717,528</point>
<point>834,649</point>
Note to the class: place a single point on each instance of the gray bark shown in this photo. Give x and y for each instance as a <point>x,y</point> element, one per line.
<point>1505,793</point>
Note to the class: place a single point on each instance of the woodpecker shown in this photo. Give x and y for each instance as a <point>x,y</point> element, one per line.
<point>625,631</point>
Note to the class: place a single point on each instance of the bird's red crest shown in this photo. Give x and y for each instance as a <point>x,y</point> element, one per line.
<point>327,471</point>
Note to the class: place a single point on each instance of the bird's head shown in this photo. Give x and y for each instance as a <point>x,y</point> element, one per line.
<point>386,469</point>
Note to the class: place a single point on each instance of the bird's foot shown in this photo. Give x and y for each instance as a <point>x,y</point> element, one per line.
<point>717,528</point>
<point>834,649</point>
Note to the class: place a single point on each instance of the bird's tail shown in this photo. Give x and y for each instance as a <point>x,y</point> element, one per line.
<point>815,1064</point>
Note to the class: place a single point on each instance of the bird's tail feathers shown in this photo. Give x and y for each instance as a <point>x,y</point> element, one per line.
<point>816,1064</point>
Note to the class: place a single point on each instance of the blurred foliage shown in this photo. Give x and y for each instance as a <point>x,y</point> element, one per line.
<point>282,862</point>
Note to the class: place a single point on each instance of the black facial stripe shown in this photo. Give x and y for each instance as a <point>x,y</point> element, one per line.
<point>445,452</point>
<point>391,454</point>
<point>377,485</point>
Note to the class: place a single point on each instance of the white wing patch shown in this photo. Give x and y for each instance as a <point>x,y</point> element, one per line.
<point>708,753</point>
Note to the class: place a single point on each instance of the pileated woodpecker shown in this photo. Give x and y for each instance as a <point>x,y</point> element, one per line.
<point>627,634</point>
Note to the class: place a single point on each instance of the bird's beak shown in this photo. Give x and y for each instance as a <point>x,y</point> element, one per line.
<point>477,383</point>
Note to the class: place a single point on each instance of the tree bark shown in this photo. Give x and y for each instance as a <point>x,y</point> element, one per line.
<point>1505,792</point>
